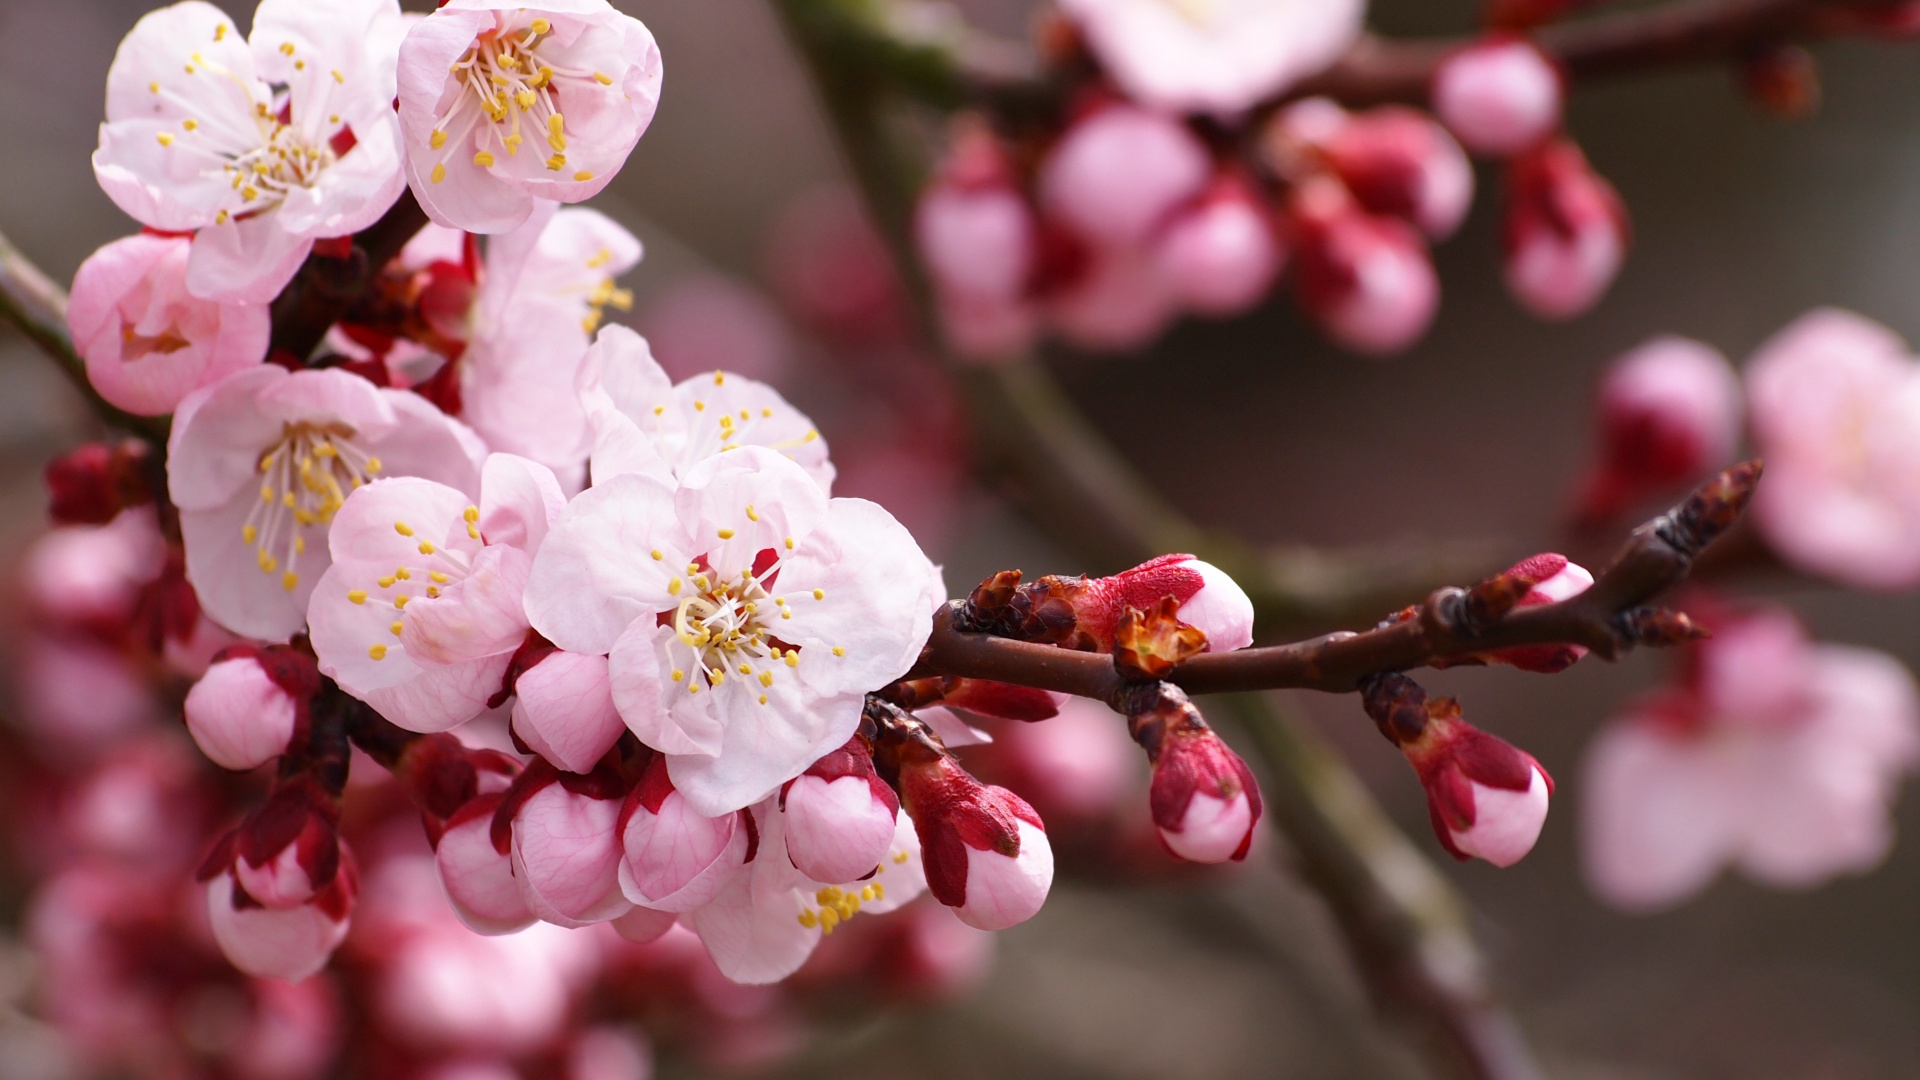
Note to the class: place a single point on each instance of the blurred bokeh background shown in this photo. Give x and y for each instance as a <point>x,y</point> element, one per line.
<point>1741,222</point>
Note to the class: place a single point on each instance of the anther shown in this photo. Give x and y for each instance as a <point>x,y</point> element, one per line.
<point>357,596</point>
<point>403,528</point>
<point>725,534</point>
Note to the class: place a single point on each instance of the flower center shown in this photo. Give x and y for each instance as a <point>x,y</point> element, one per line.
<point>838,905</point>
<point>137,346</point>
<point>439,566</point>
<point>723,624</point>
<point>305,477</point>
<point>508,87</point>
<point>1199,13</point>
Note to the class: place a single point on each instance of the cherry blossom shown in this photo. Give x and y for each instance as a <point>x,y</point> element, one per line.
<point>1221,255</point>
<point>243,711</point>
<point>197,136</point>
<point>1669,411</point>
<point>573,85</point>
<point>1775,754</point>
<point>1565,233</point>
<point>1222,57</point>
<point>747,615</point>
<point>675,858</point>
<point>1117,173</point>
<point>1834,402</point>
<point>1366,280</point>
<point>420,611</point>
<point>260,462</point>
<point>147,341</point>
<point>287,943</point>
<point>839,815</point>
<point>1500,96</point>
<point>1122,301</point>
<point>642,423</point>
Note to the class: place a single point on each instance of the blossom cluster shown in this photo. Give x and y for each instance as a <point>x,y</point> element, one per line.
<point>1170,184</point>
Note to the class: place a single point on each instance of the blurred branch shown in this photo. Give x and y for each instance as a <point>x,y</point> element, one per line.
<point>38,309</point>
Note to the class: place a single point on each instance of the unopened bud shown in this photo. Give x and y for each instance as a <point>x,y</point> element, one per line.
<point>1204,798</point>
<point>1366,280</point>
<point>565,844</point>
<point>1398,161</point>
<point>290,943</point>
<point>1221,254</point>
<point>674,858</point>
<point>243,711</point>
<point>1565,234</point>
<point>563,709</point>
<point>1116,175</point>
<point>973,228</point>
<point>1487,799</point>
<point>1548,577</point>
<point>477,878</point>
<point>984,849</point>
<point>839,816</point>
<point>1669,411</point>
<point>1499,96</point>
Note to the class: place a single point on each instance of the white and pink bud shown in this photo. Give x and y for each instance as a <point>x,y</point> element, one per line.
<point>563,709</point>
<point>1487,799</point>
<point>565,844</point>
<point>1500,97</point>
<point>1204,798</point>
<point>286,943</point>
<point>1566,231</point>
<point>244,711</point>
<point>147,341</point>
<point>1118,173</point>
<point>984,850</point>
<point>1119,302</point>
<point>839,816</point>
<point>1366,280</point>
<point>1209,600</point>
<point>288,850</point>
<point>1397,162</point>
<point>1220,255</point>
<point>1669,411</point>
<point>973,228</point>
<point>477,876</point>
<point>673,858</point>
<point>1550,578</point>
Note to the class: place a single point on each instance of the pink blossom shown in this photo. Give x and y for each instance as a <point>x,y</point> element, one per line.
<point>973,228</point>
<point>1835,407</point>
<point>642,423</point>
<point>1550,577</point>
<point>79,696</point>
<point>1077,766</point>
<point>1486,798</point>
<point>1116,174</point>
<point>1121,302</point>
<point>543,290</point>
<point>92,575</point>
<point>290,943</point>
<point>563,709</point>
<point>421,610</point>
<point>1777,755</point>
<point>198,138</point>
<point>1397,161</point>
<point>1221,58</point>
<point>675,858</point>
<point>748,549</point>
<point>566,854</point>
<point>502,105</point>
<point>147,341</point>
<point>239,715</point>
<point>839,816</point>
<point>709,321</point>
<point>1500,96</point>
<point>1204,798</point>
<point>1221,254</point>
<point>260,462</point>
<point>1565,232</point>
<point>1366,280</point>
<point>1669,411</point>
<point>478,878</point>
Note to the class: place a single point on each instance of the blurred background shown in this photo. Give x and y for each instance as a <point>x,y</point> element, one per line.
<point>1741,223</point>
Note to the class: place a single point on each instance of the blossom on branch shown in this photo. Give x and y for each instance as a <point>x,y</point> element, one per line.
<point>148,342</point>
<point>747,615</point>
<point>1565,233</point>
<point>503,105</point>
<point>420,612</point>
<point>1500,96</point>
<point>1773,754</point>
<point>260,463</point>
<point>262,144</point>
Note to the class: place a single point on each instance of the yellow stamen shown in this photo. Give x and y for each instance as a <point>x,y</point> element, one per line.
<point>378,652</point>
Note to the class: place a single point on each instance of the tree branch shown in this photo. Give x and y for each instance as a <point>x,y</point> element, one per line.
<point>1452,625</point>
<point>325,286</point>
<point>38,309</point>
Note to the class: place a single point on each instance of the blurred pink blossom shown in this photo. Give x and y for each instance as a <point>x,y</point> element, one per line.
<point>1565,233</point>
<point>1366,280</point>
<point>1669,411</point>
<point>1499,96</point>
<point>1118,172</point>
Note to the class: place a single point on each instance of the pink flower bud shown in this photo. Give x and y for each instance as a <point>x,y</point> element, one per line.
<point>1669,411</point>
<point>292,943</point>
<point>477,878</point>
<point>1209,600</point>
<point>1120,303</point>
<point>1398,162</point>
<point>1366,280</point>
<point>282,881</point>
<point>674,858</point>
<point>1552,578</point>
<point>148,342</point>
<point>92,576</point>
<point>973,229</point>
<point>566,852</point>
<point>1220,254</point>
<point>1566,232</point>
<point>239,715</point>
<point>1116,174</point>
<point>839,816</point>
<point>563,709</point>
<point>985,851</point>
<point>1488,800</point>
<point>1499,97</point>
<point>1204,798</point>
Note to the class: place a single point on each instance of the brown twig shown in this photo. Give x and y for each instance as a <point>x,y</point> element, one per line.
<point>325,286</point>
<point>1452,624</point>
